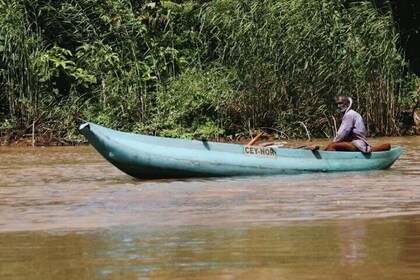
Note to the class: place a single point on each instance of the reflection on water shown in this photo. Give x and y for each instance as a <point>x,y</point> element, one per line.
<point>65,213</point>
<point>351,249</point>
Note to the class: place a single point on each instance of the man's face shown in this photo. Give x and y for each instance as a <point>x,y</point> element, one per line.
<point>342,106</point>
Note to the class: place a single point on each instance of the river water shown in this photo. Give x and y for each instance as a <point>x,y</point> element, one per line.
<point>65,213</point>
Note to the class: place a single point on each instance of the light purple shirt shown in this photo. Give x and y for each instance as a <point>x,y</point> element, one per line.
<point>352,129</point>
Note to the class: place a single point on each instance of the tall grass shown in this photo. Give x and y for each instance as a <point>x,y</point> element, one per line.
<point>21,46</point>
<point>294,56</point>
<point>108,57</point>
<point>221,66</point>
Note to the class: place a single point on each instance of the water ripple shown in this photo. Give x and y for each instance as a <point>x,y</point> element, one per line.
<point>74,188</point>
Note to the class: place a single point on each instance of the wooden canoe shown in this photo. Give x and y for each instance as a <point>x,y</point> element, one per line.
<point>144,156</point>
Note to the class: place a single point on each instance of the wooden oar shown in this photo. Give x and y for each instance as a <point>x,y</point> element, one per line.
<point>304,147</point>
<point>309,147</point>
<point>253,140</point>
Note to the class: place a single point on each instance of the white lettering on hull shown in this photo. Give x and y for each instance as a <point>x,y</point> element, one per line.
<point>259,151</point>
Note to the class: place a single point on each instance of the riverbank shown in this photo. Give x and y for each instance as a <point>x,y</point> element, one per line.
<point>50,135</point>
<point>30,137</point>
<point>47,137</point>
<point>23,137</point>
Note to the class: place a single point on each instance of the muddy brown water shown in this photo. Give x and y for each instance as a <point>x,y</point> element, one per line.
<point>65,213</point>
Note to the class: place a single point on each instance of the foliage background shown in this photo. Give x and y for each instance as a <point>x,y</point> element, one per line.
<point>199,68</point>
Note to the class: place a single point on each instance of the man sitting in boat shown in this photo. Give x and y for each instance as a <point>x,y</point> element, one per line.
<point>351,135</point>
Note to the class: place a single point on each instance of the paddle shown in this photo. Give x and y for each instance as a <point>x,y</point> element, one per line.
<point>304,147</point>
<point>309,147</point>
<point>253,140</point>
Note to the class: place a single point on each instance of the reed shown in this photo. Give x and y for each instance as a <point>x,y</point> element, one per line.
<point>221,66</point>
<point>294,56</point>
<point>21,45</point>
<point>110,54</point>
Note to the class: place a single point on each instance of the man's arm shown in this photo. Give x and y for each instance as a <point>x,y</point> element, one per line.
<point>345,129</point>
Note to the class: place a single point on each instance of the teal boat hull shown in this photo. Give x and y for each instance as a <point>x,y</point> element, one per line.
<point>144,156</point>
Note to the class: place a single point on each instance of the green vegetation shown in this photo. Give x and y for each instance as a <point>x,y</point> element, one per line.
<point>198,68</point>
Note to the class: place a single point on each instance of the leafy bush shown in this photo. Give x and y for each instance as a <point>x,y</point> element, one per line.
<point>193,104</point>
